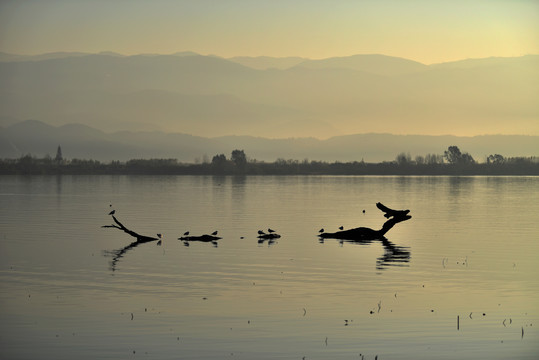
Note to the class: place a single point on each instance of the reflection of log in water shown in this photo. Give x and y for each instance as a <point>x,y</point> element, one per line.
<point>119,253</point>
<point>393,255</point>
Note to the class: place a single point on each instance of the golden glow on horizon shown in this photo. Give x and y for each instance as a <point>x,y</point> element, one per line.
<point>425,31</point>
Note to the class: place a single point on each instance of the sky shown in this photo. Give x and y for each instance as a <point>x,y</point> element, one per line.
<point>430,31</point>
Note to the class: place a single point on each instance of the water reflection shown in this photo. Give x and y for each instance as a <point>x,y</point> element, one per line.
<point>118,254</point>
<point>141,239</point>
<point>394,255</point>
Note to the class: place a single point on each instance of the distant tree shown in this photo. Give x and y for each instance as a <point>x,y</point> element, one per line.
<point>238,158</point>
<point>218,159</point>
<point>432,159</point>
<point>420,160</point>
<point>495,159</point>
<point>403,159</point>
<point>59,157</point>
<point>453,155</point>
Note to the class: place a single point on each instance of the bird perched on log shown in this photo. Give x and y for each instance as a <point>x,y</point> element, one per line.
<point>260,232</point>
<point>271,231</point>
<point>214,233</point>
<point>341,227</point>
<point>112,212</point>
<point>186,233</point>
<point>159,236</point>
<point>321,230</point>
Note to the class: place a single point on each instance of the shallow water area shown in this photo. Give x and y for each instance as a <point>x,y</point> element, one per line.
<point>463,284</point>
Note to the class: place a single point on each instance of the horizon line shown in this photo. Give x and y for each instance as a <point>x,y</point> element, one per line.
<point>254,136</point>
<point>105,52</point>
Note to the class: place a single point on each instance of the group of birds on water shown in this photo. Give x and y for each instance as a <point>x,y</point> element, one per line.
<point>271,235</point>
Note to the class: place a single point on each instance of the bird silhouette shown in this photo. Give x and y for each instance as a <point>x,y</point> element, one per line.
<point>159,236</point>
<point>321,230</point>
<point>363,211</point>
<point>341,227</point>
<point>260,232</point>
<point>186,233</point>
<point>270,230</point>
<point>112,212</point>
<point>214,233</point>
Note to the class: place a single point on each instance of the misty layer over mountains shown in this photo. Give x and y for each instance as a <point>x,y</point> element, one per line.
<point>208,96</point>
<point>83,142</point>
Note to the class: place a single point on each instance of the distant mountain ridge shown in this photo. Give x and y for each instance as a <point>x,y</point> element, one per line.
<point>84,142</point>
<point>271,97</point>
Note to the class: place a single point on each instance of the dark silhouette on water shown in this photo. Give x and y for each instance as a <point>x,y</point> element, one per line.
<point>269,236</point>
<point>363,233</point>
<point>202,238</point>
<point>118,254</point>
<point>120,226</point>
<point>394,255</point>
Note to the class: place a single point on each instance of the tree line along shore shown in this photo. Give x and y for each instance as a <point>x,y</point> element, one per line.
<point>451,162</point>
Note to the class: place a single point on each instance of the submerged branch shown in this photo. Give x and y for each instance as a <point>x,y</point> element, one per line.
<point>119,253</point>
<point>120,226</point>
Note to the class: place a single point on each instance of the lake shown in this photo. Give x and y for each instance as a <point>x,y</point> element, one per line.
<point>459,280</point>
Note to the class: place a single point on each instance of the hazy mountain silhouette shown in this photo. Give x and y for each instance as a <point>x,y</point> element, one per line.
<point>268,62</point>
<point>48,56</point>
<point>80,141</point>
<point>371,63</point>
<point>208,95</point>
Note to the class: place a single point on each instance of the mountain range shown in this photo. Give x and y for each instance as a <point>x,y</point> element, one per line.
<point>210,96</point>
<point>84,142</point>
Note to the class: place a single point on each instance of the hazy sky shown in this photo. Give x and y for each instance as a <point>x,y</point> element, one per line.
<point>428,31</point>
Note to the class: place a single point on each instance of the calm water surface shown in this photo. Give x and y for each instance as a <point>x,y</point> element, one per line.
<point>468,253</point>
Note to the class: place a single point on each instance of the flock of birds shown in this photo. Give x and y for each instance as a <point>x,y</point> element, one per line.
<point>270,235</point>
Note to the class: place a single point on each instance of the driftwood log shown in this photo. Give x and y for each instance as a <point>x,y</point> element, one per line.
<point>202,238</point>
<point>120,226</point>
<point>393,255</point>
<point>119,253</point>
<point>269,236</point>
<point>364,233</point>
